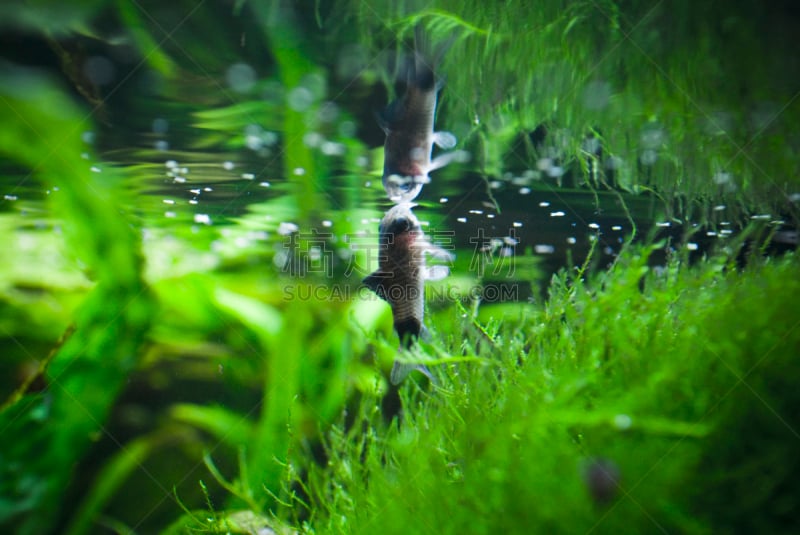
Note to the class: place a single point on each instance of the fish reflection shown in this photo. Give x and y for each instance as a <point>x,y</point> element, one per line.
<point>408,124</point>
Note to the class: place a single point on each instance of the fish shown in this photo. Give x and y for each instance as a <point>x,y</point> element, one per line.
<point>400,279</point>
<point>408,125</point>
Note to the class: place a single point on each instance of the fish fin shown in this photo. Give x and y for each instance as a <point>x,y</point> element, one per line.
<point>400,371</point>
<point>444,140</point>
<point>435,273</point>
<point>375,282</point>
<point>425,334</point>
<point>441,160</point>
<point>440,254</point>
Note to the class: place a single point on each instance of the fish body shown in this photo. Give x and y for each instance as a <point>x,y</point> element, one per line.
<point>408,124</point>
<point>400,278</point>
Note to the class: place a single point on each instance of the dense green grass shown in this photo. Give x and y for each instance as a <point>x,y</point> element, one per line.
<point>681,382</point>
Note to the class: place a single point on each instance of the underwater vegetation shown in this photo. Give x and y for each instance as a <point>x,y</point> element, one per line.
<point>192,193</point>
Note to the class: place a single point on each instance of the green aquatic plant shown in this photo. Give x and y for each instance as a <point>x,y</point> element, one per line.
<point>51,429</point>
<point>685,99</point>
<point>663,363</point>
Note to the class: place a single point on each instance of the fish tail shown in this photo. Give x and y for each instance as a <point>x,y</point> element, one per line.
<point>400,371</point>
<point>427,60</point>
<point>423,76</point>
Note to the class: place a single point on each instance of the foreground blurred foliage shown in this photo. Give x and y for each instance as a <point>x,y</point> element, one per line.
<point>163,379</point>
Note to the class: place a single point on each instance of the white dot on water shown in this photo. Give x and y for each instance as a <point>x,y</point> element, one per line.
<point>443,200</point>
<point>616,228</point>
<point>207,189</point>
<point>248,176</point>
<point>524,191</point>
<point>228,166</point>
<point>594,226</point>
<point>721,178</point>
<point>517,224</point>
<point>490,216</point>
<point>331,148</point>
<point>169,214</point>
<point>495,184</point>
<point>264,184</point>
<point>477,212</point>
<point>555,171</point>
<point>544,204</point>
<point>286,228</point>
<point>299,171</point>
<point>327,223</point>
<point>557,214</point>
<point>240,77</point>
<point>663,224</point>
<point>95,169</point>
<point>10,197</point>
<point>313,139</point>
<point>300,98</point>
<point>253,142</point>
<point>544,249</point>
<point>204,219</point>
<point>171,164</point>
<point>168,201</point>
<point>571,240</point>
<point>692,246</point>
<point>622,422</point>
<point>462,219</point>
<point>193,201</point>
<point>179,180</point>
